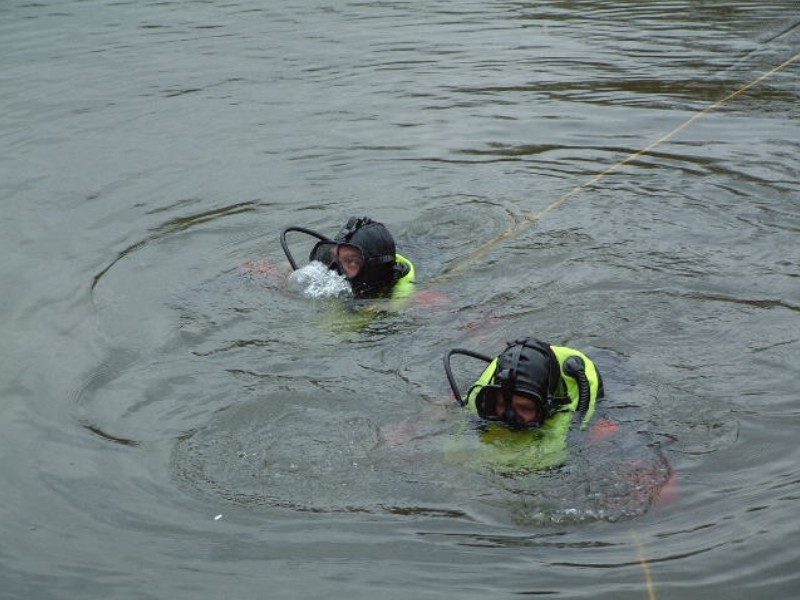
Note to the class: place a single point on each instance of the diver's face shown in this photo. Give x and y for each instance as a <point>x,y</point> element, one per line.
<point>351,260</point>
<point>525,408</point>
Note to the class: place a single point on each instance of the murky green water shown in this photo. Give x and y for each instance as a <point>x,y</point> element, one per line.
<point>174,428</point>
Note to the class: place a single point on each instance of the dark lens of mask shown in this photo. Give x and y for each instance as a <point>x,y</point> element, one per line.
<point>486,402</point>
<point>324,252</point>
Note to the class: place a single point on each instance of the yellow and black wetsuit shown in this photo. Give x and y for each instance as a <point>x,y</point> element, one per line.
<point>505,449</point>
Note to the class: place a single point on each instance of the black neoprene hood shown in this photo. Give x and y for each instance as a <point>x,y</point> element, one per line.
<point>532,367</point>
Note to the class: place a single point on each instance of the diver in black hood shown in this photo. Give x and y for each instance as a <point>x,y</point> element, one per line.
<point>531,382</point>
<point>364,252</point>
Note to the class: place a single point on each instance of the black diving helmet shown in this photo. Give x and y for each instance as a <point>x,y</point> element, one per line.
<point>527,368</point>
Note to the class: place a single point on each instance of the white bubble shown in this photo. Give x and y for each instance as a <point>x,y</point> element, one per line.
<point>315,280</point>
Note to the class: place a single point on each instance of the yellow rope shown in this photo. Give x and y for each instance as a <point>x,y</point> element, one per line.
<point>533,218</point>
<point>648,577</point>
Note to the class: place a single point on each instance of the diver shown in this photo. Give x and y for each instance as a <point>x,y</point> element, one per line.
<point>530,398</point>
<point>364,253</point>
<point>532,384</point>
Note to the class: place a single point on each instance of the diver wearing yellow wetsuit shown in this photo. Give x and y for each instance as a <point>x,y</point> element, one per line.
<point>364,252</point>
<point>534,388</point>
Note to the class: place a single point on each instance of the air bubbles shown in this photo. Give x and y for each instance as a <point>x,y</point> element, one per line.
<point>315,280</point>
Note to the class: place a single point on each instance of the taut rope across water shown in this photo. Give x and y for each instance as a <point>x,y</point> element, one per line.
<point>532,218</point>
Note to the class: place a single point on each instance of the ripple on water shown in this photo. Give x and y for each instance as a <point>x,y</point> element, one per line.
<point>308,458</point>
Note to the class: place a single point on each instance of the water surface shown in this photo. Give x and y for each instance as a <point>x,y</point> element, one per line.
<point>176,429</point>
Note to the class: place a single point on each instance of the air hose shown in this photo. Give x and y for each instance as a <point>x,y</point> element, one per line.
<point>575,368</point>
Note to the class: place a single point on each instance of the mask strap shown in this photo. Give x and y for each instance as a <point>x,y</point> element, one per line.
<point>353,225</point>
<point>508,377</point>
<point>508,381</point>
